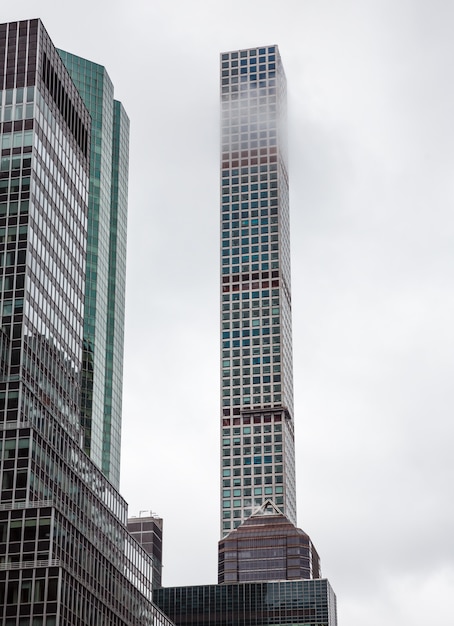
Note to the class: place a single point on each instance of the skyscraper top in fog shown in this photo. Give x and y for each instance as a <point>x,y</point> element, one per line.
<point>258,457</point>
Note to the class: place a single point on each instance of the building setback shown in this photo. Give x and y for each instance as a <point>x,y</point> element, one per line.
<point>258,457</point>
<point>66,557</point>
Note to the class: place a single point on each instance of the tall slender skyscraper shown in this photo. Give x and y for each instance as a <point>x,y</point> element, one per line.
<point>258,458</point>
<point>66,558</point>
<point>102,368</point>
<point>263,558</point>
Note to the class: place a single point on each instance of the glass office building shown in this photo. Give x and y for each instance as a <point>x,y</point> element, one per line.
<point>292,603</point>
<point>102,368</point>
<point>267,546</point>
<point>257,458</point>
<point>66,557</point>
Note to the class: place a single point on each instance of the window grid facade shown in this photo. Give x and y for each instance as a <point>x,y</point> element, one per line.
<point>257,459</point>
<point>303,603</point>
<point>66,557</point>
<point>267,547</point>
<point>102,374</point>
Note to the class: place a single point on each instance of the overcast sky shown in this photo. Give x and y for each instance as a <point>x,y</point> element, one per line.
<point>371,115</point>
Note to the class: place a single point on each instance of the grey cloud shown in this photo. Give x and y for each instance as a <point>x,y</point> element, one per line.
<point>371,162</point>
